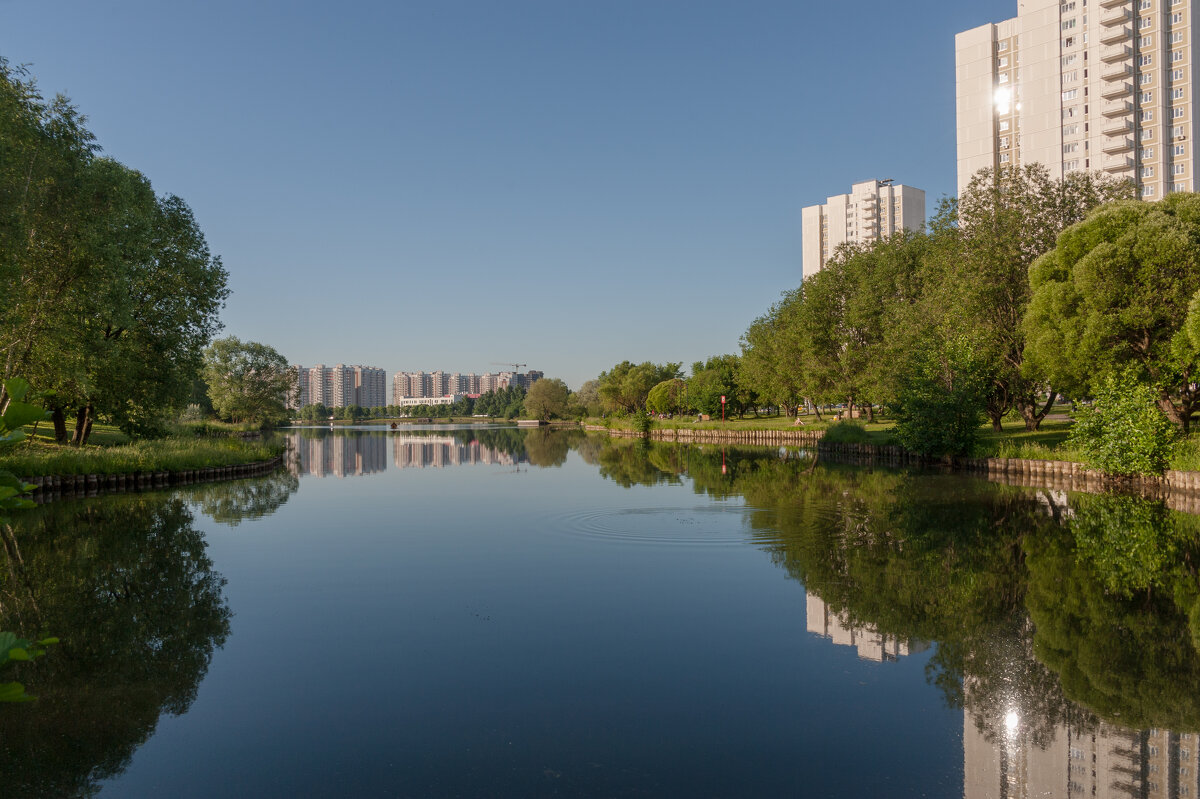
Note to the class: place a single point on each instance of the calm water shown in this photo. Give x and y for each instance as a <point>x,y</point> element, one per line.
<point>495,613</point>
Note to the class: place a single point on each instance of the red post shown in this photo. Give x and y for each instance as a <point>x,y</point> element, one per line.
<point>722,407</point>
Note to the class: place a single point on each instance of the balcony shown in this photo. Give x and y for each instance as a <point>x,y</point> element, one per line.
<point>1116,52</point>
<point>1122,144</point>
<point>1118,15</point>
<point>1112,3</point>
<point>1116,108</point>
<point>1112,91</point>
<point>1118,71</point>
<point>1116,127</point>
<point>1121,33</point>
<point>1117,163</point>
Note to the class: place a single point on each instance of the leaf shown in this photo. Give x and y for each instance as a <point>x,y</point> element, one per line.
<point>17,387</point>
<point>48,641</point>
<point>19,414</point>
<point>14,692</point>
<point>18,653</point>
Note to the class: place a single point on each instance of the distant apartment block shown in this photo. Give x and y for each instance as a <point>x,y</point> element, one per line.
<point>411,385</point>
<point>1107,87</point>
<point>873,209</point>
<point>341,386</point>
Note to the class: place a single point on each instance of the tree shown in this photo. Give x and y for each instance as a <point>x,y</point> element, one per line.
<point>588,397</point>
<point>1006,219</point>
<point>669,396</point>
<point>770,364</point>
<point>625,387</point>
<point>547,399</point>
<point>248,381</point>
<point>1124,432</point>
<point>1116,293</point>
<point>713,379</point>
<point>940,402</point>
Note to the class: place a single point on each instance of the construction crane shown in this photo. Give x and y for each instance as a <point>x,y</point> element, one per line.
<point>516,367</point>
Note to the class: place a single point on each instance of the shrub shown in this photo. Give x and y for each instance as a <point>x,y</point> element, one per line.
<point>847,433</point>
<point>642,422</point>
<point>1124,432</point>
<point>940,404</point>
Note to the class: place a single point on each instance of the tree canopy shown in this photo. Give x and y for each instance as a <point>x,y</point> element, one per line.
<point>248,381</point>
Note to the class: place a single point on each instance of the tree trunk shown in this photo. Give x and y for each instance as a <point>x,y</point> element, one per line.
<point>83,426</point>
<point>870,413</point>
<point>59,418</point>
<point>1030,413</point>
<point>997,418</point>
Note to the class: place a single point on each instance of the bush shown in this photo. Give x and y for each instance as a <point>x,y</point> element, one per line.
<point>642,422</point>
<point>940,405</point>
<point>847,433</point>
<point>1124,432</point>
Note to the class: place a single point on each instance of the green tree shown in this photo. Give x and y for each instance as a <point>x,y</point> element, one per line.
<point>940,401</point>
<point>669,396</point>
<point>1006,219</point>
<point>626,386</point>
<point>248,381</point>
<point>1115,294</point>
<point>771,363</point>
<point>547,399</point>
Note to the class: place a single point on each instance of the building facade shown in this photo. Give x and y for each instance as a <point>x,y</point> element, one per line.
<point>1107,86</point>
<point>341,386</point>
<point>872,210</point>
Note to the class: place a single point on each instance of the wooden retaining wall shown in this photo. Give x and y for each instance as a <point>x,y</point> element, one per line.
<point>1180,489</point>
<point>67,486</point>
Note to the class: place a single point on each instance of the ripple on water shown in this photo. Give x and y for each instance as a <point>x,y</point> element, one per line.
<point>702,525</point>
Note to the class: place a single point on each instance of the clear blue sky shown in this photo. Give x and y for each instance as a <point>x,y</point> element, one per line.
<point>443,185</point>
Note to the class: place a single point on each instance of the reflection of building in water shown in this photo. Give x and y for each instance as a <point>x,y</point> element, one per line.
<point>343,456</point>
<point>1104,761</point>
<point>422,451</point>
<point>870,643</point>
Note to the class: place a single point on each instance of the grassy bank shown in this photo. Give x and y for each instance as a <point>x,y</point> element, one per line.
<point>35,458</point>
<point>1014,441</point>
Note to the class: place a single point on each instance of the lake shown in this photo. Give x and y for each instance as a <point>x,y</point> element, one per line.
<point>492,612</point>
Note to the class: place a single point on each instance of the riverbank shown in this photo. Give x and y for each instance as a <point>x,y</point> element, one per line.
<point>1055,475</point>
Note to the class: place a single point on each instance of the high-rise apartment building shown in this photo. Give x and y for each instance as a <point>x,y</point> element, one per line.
<point>342,386</point>
<point>1076,86</point>
<point>872,210</point>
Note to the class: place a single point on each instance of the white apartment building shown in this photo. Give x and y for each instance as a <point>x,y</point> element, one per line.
<point>1101,86</point>
<point>873,209</point>
<point>342,386</point>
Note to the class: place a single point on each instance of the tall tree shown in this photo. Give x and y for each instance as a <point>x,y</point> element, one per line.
<point>249,381</point>
<point>1007,218</point>
<point>1115,293</point>
<point>547,399</point>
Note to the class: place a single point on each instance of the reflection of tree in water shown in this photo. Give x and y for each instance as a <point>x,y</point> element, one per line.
<point>126,583</point>
<point>230,502</point>
<point>1108,581</point>
<point>549,448</point>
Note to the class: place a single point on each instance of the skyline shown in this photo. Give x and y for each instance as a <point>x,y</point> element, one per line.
<point>563,186</point>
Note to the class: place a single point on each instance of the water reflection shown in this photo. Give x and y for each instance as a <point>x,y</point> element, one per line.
<point>126,583</point>
<point>351,453</point>
<point>1067,625</point>
<point>234,501</point>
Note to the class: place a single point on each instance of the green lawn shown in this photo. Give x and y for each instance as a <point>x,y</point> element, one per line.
<point>35,457</point>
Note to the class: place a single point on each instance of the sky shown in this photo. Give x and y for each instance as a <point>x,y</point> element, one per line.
<point>462,185</point>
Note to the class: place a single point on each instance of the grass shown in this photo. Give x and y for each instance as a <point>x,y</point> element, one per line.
<point>34,457</point>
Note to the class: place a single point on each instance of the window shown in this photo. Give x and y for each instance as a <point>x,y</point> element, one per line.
<point>1002,46</point>
<point>1178,132</point>
<point>1146,22</point>
<point>1004,142</point>
<point>1147,78</point>
<point>1068,24</point>
<point>1146,41</point>
<point>1176,18</point>
<point>1066,7</point>
<point>1176,37</point>
<point>1146,135</point>
<point>1003,62</point>
<point>1147,97</point>
<point>1177,74</point>
<point>1176,55</point>
<point>1070,94</point>
<point>1004,124</point>
<point>1179,169</point>
<point>1068,60</point>
<point>1177,112</point>
<point>1073,147</point>
<point>1147,191</point>
<point>1145,61</point>
<point>1070,165</point>
<point>1179,150</point>
<point>1069,41</point>
<point>1145,4</point>
<point>1147,153</point>
<point>1071,77</point>
<point>1147,171</point>
<point>1004,158</point>
<point>1004,77</point>
<point>1067,113</point>
<point>1070,130</point>
<point>1147,115</point>
<point>1177,94</point>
